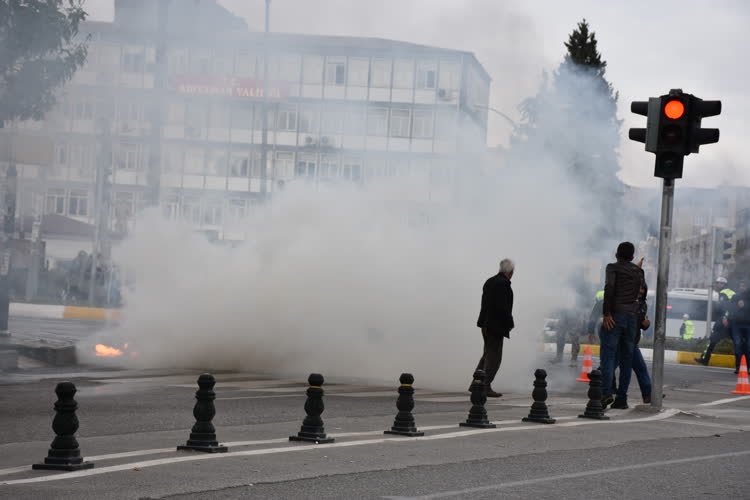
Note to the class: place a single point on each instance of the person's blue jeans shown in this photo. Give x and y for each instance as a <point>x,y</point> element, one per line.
<point>620,338</point>
<point>741,340</point>
<point>641,372</point>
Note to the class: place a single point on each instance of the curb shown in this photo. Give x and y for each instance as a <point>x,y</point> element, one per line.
<point>63,312</point>
<point>677,357</point>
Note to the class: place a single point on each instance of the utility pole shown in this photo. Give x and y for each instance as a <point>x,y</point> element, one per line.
<point>6,247</point>
<point>712,271</point>
<point>101,209</point>
<point>264,109</point>
<point>157,106</point>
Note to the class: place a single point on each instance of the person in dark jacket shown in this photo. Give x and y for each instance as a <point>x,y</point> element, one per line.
<point>738,319</point>
<point>496,322</point>
<point>718,331</point>
<point>623,282</point>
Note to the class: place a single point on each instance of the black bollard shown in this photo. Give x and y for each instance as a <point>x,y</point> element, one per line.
<point>312,426</point>
<point>64,453</point>
<point>203,433</point>
<point>539,412</point>
<point>404,424</point>
<point>594,408</point>
<point>477,413</point>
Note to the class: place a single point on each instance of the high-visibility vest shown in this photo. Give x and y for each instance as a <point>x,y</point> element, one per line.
<point>599,295</point>
<point>727,293</point>
<point>689,329</point>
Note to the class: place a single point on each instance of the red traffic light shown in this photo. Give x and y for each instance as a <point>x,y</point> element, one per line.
<point>674,109</point>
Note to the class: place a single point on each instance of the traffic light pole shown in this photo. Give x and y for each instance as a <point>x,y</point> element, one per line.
<point>662,281</point>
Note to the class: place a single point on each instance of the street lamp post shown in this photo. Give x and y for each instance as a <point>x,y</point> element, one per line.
<point>264,108</point>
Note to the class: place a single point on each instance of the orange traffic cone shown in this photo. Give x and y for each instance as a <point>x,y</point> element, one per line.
<point>743,385</point>
<point>587,366</point>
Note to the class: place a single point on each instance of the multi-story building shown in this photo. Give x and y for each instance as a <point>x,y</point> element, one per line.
<point>174,116</point>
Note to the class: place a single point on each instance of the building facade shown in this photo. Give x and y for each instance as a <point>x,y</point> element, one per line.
<point>169,110</point>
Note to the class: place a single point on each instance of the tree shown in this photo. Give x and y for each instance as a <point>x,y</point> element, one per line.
<point>39,52</point>
<point>572,123</point>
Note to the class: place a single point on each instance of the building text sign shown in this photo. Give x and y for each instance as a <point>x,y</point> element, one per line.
<point>229,87</point>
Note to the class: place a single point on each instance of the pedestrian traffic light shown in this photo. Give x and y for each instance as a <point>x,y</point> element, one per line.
<point>727,253</point>
<point>673,129</point>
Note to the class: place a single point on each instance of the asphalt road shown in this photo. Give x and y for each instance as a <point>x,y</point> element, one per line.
<point>131,422</point>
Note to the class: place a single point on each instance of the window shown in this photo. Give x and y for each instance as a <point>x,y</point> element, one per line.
<point>124,206</point>
<point>358,71</point>
<point>286,120</point>
<point>169,206</point>
<point>222,65</point>
<point>377,121</point>
<point>403,74</point>
<point>78,203</point>
<point>427,75</point>
<point>200,62</point>
<point>171,159</point>
<point>329,167</point>
<point>196,118</point>
<point>176,112</point>
<point>133,60</point>
<point>332,121</point>
<point>336,72</point>
<point>216,163</point>
<point>381,73</point>
<point>177,61</point>
<point>83,110</point>
<point>351,170</point>
<point>125,156</point>
<point>446,125</point>
<point>128,111</point>
<point>450,76</point>
<point>194,161</point>
<point>289,68</point>
<point>375,168</point>
<point>284,167</point>
<point>400,122</point>
<point>191,209</point>
<point>355,121</point>
<point>305,168</point>
<point>61,154</point>
<point>308,120</point>
<point>55,201</point>
<point>244,64</point>
<point>220,117</point>
<point>239,164</point>
<point>212,213</point>
<point>242,117</point>
<point>422,125</point>
<point>81,159</point>
<point>237,209</point>
<point>313,69</point>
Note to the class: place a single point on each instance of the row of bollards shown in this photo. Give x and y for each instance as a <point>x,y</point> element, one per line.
<point>64,453</point>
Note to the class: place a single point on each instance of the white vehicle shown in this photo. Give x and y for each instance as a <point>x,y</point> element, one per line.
<point>680,301</point>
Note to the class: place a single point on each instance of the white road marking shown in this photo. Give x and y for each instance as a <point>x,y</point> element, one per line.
<point>574,475</point>
<point>268,451</point>
<point>723,401</point>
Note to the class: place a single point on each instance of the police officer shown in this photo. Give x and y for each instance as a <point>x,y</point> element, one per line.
<point>687,329</point>
<point>719,332</point>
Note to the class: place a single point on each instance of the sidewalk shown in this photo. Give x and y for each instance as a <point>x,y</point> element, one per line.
<point>678,357</point>
<point>63,312</point>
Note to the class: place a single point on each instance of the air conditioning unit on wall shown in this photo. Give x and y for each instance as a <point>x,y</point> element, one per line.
<point>445,95</point>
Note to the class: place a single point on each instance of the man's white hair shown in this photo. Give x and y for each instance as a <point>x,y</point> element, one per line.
<point>507,266</point>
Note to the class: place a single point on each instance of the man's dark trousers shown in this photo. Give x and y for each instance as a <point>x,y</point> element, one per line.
<point>492,356</point>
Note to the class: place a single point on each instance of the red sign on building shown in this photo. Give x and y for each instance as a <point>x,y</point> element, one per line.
<point>229,87</point>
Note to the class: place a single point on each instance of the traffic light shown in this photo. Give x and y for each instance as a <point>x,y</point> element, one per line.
<point>728,250</point>
<point>700,109</point>
<point>673,129</point>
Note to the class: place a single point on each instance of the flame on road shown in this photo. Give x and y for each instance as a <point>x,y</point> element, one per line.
<point>107,351</point>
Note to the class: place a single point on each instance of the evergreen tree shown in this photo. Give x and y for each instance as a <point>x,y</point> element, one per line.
<point>572,122</point>
<point>38,53</point>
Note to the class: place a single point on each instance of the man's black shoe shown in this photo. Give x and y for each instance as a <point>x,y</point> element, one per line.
<point>700,360</point>
<point>620,405</point>
<point>606,401</point>
<point>493,394</point>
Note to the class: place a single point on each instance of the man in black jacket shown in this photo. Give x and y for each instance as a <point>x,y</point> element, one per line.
<point>623,282</point>
<point>496,322</point>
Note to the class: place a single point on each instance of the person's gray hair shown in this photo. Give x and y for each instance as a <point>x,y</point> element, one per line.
<point>507,266</point>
